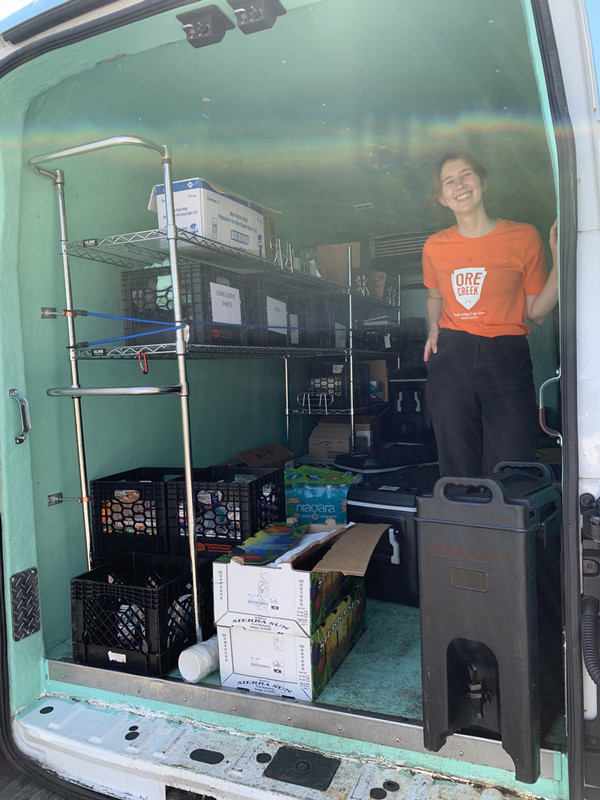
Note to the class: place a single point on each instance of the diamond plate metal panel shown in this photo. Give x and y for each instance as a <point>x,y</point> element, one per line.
<point>25,603</point>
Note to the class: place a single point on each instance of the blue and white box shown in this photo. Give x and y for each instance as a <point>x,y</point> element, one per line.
<point>206,209</point>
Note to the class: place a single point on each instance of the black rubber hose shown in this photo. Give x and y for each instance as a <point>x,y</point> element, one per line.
<point>589,637</point>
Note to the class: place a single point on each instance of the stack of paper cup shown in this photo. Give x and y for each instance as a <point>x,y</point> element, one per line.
<point>199,660</point>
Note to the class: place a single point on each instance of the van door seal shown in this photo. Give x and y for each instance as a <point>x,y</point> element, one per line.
<point>567,171</point>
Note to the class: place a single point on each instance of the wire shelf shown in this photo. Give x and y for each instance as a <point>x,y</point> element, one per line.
<point>147,248</point>
<point>207,351</point>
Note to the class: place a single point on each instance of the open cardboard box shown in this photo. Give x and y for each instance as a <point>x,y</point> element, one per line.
<point>284,630</point>
<point>296,595</point>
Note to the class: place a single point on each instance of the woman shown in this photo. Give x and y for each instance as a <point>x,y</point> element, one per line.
<point>485,277</point>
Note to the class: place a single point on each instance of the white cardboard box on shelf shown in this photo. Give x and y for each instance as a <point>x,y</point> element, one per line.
<point>208,210</point>
<point>291,597</point>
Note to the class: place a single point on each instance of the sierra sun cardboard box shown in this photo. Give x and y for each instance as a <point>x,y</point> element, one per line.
<point>275,624</point>
<point>208,210</point>
<point>284,665</point>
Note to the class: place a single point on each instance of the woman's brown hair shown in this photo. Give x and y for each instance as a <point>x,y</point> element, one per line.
<point>455,155</point>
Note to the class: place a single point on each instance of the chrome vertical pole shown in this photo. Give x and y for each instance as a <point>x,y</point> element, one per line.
<point>349,357</point>
<point>180,334</point>
<point>286,374</point>
<point>180,347</point>
<point>59,181</point>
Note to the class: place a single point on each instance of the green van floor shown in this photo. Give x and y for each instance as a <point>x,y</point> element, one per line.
<point>381,675</point>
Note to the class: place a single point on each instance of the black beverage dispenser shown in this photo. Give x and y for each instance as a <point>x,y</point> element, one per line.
<point>491,618</point>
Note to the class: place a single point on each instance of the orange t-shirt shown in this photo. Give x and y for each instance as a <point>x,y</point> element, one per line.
<point>484,281</point>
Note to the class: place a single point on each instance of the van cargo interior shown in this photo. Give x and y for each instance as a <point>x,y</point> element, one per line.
<point>333,119</point>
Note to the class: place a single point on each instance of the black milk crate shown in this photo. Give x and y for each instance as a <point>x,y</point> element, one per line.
<point>339,321</point>
<point>129,512</point>
<point>300,317</point>
<point>264,311</point>
<point>136,613</point>
<point>320,322</point>
<point>148,295</point>
<point>226,511</point>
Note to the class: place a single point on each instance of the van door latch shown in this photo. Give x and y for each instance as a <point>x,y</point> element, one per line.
<point>590,514</point>
<point>25,418</point>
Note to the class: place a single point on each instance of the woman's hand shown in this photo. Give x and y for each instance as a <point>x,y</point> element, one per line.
<point>434,314</point>
<point>553,240</point>
<point>540,305</point>
<point>431,345</point>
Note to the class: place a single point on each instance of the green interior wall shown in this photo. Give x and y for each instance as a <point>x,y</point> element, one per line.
<point>341,104</point>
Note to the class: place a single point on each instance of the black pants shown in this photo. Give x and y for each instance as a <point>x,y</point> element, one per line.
<point>482,402</point>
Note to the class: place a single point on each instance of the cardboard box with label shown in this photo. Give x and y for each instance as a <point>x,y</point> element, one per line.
<point>208,210</point>
<point>330,439</point>
<point>282,609</point>
<point>377,282</point>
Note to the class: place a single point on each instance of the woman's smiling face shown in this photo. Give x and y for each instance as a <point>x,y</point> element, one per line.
<point>462,188</point>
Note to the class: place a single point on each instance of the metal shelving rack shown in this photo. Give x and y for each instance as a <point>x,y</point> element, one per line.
<point>142,249</point>
<point>76,391</point>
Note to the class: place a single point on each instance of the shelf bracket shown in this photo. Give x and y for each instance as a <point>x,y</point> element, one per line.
<point>56,499</point>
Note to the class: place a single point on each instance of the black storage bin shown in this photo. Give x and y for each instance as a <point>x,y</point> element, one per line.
<point>264,312</point>
<point>299,316</point>
<point>227,511</point>
<point>148,295</point>
<point>413,335</point>
<point>331,388</point>
<point>490,598</point>
<point>393,573</point>
<point>321,323</point>
<point>340,320</point>
<point>136,613</point>
<point>129,512</point>
<point>384,337</point>
<point>408,418</point>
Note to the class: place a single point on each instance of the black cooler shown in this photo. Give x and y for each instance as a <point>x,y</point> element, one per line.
<point>491,621</point>
<point>391,499</point>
